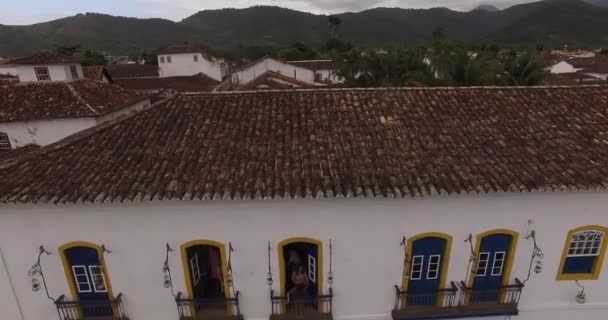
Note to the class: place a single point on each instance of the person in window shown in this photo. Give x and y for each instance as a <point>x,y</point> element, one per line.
<point>299,293</point>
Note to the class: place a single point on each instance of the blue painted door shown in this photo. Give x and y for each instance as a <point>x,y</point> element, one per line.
<point>492,260</point>
<point>90,281</point>
<point>426,261</point>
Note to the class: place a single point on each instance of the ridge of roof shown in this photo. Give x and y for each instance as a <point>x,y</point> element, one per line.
<point>468,88</point>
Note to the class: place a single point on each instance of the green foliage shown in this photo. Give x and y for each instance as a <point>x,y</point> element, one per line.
<point>92,57</point>
<point>526,69</point>
<point>87,56</point>
<point>145,57</point>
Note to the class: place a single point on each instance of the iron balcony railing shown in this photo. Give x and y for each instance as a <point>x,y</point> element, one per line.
<point>212,308</point>
<point>442,298</point>
<point>507,295</point>
<point>457,301</point>
<point>308,307</point>
<point>83,310</point>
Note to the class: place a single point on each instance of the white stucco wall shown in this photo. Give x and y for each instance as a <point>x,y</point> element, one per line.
<point>602,76</point>
<point>183,64</point>
<point>562,67</point>
<point>43,132</point>
<point>8,70</point>
<point>58,72</point>
<point>249,74</point>
<point>367,257</point>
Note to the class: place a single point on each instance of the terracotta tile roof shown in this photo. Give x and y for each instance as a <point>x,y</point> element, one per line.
<point>15,153</point>
<point>128,71</point>
<point>55,100</point>
<point>329,143</point>
<point>45,57</point>
<point>196,83</point>
<point>274,80</point>
<point>315,64</point>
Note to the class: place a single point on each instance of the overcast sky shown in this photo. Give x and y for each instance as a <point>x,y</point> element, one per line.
<point>32,11</point>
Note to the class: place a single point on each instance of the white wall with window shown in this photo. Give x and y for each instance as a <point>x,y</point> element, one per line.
<point>366,235</point>
<point>42,132</point>
<point>57,72</point>
<point>189,64</point>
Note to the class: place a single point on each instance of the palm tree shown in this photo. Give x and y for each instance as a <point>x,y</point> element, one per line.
<point>526,69</point>
<point>334,23</point>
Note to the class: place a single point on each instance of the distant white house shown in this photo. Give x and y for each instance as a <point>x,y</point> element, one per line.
<point>189,60</point>
<point>52,100</point>
<point>7,69</point>
<point>47,66</point>
<point>562,67</point>
<point>326,71</point>
<point>255,69</point>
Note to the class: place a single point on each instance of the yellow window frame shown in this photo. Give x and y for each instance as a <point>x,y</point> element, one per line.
<point>67,268</point>
<point>597,264</point>
<point>443,273</point>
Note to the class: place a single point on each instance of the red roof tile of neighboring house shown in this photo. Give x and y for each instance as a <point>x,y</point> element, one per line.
<point>274,80</point>
<point>96,73</point>
<point>329,143</point>
<point>315,65</point>
<point>54,100</point>
<point>128,71</point>
<point>45,57</point>
<point>196,83</point>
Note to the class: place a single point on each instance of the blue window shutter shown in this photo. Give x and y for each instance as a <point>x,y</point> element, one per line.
<point>579,264</point>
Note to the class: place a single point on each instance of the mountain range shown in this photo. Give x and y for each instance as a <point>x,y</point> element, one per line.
<point>550,22</point>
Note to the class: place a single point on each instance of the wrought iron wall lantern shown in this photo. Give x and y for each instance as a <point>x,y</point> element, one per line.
<point>37,275</point>
<point>537,253</point>
<point>330,275</point>
<point>581,296</point>
<point>167,279</point>
<point>269,280</point>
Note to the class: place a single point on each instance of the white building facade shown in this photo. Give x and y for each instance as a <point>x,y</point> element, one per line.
<point>258,68</point>
<point>366,256</point>
<point>187,60</point>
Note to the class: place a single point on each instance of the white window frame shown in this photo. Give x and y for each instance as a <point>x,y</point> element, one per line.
<point>42,73</point>
<point>434,266</point>
<point>583,240</point>
<point>74,72</point>
<point>502,263</point>
<point>196,271</point>
<point>417,263</point>
<point>487,262</point>
<point>312,268</point>
<point>103,278</point>
<point>5,142</point>
<point>86,274</point>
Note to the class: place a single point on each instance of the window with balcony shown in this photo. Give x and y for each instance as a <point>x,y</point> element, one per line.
<point>583,254</point>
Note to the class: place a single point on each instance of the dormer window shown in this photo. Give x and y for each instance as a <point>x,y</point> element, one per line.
<point>42,73</point>
<point>5,143</point>
<point>74,71</point>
